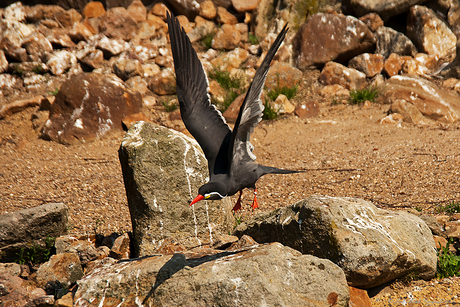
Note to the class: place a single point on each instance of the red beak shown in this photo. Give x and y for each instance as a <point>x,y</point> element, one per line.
<point>197,199</point>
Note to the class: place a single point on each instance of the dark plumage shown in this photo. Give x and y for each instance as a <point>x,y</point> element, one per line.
<point>231,163</point>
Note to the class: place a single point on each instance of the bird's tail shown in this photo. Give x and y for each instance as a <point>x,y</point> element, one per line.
<point>263,170</point>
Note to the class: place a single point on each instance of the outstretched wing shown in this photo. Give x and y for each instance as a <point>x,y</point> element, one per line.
<point>251,110</point>
<point>201,118</point>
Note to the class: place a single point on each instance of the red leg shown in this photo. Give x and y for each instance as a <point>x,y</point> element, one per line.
<point>255,203</point>
<point>238,203</point>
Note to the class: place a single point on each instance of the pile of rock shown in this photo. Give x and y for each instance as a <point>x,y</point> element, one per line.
<point>42,46</point>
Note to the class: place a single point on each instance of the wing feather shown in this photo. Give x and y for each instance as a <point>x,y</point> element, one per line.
<point>252,110</point>
<point>201,118</point>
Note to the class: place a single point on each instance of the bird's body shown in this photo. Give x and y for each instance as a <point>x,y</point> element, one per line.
<point>231,163</point>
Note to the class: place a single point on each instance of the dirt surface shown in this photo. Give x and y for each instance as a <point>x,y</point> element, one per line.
<point>343,152</point>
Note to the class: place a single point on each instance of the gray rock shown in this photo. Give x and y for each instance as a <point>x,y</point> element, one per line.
<point>28,227</point>
<point>129,282</point>
<point>269,275</point>
<point>162,171</point>
<point>13,269</point>
<point>371,245</point>
<point>385,9</point>
<point>391,41</point>
<point>432,101</point>
<point>328,37</point>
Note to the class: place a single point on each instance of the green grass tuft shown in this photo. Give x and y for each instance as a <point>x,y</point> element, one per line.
<point>169,105</point>
<point>253,39</point>
<point>360,96</point>
<point>289,92</point>
<point>448,263</point>
<point>269,111</point>
<point>207,40</point>
<point>450,208</point>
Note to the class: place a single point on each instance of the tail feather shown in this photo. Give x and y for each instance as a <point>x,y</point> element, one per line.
<point>263,170</point>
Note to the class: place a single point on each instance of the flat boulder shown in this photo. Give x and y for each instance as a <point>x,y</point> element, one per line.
<point>268,275</point>
<point>330,37</point>
<point>432,101</point>
<point>372,246</point>
<point>162,171</point>
<point>87,106</point>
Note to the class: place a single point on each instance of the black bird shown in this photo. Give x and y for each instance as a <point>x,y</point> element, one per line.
<point>231,162</point>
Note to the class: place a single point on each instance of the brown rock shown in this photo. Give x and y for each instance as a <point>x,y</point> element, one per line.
<point>133,118</point>
<point>334,90</point>
<point>36,45</point>
<point>163,83</point>
<point>65,301</point>
<point>118,23</point>
<point>335,73</point>
<point>409,112</point>
<point>16,292</point>
<point>308,109</point>
<point>429,33</point>
<point>170,246</point>
<point>359,298</point>
<point>64,268</point>
<point>87,106</point>
<point>223,16</point>
<point>3,62</point>
<point>370,64</point>
<point>231,113</point>
<point>230,60</point>
<point>39,12</point>
<point>325,37</point>
<point>226,38</point>
<point>243,242</point>
<point>137,11</point>
<point>159,9</point>
<point>245,5</point>
<point>208,10</point>
<point>372,21</point>
<point>80,32</point>
<point>127,68</point>
<point>120,248</point>
<point>93,59</point>
<point>93,9</point>
<point>282,75</point>
<point>185,23</point>
<point>432,101</point>
<point>393,65</point>
<point>20,105</point>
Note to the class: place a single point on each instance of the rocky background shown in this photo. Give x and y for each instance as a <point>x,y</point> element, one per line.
<point>90,67</point>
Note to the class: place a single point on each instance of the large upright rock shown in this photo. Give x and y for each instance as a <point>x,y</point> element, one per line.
<point>371,245</point>
<point>26,228</point>
<point>162,171</point>
<point>432,101</point>
<point>329,37</point>
<point>87,106</point>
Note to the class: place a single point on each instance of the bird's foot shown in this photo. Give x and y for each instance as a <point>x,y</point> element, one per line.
<point>255,203</point>
<point>238,203</point>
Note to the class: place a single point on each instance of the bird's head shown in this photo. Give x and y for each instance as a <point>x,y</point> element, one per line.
<point>210,191</point>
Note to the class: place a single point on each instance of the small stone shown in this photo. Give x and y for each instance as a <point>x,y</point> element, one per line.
<point>227,38</point>
<point>64,268</point>
<point>120,248</point>
<point>242,6</point>
<point>283,105</point>
<point>159,9</point>
<point>164,83</point>
<point>308,109</point>
<point>208,10</point>
<point>137,11</point>
<point>335,73</point>
<point>224,17</point>
<point>93,9</point>
<point>370,64</point>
